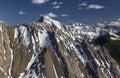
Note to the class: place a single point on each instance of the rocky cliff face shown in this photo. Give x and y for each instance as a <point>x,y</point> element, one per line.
<point>48,49</point>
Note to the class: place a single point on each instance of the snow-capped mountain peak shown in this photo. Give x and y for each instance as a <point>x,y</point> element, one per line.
<point>50,21</point>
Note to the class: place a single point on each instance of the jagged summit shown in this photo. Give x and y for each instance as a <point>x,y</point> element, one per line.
<point>44,18</point>
<point>50,22</point>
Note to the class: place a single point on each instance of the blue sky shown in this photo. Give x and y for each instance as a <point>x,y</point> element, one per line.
<point>67,11</point>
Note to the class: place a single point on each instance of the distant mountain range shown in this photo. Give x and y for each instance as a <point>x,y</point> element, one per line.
<point>50,49</point>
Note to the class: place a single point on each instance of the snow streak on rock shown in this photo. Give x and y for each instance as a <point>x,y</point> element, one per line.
<point>11,63</point>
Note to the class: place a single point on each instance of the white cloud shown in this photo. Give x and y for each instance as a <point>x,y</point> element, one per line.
<point>94,6</point>
<point>22,12</point>
<point>60,3</point>
<point>80,8</point>
<point>56,7</point>
<point>54,15</point>
<point>51,15</point>
<point>1,21</point>
<point>119,19</point>
<point>115,23</point>
<point>82,4</point>
<point>39,1</point>
<point>64,15</point>
<point>54,3</point>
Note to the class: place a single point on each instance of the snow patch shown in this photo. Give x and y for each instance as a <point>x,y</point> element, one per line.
<point>21,75</point>
<point>43,38</point>
<point>10,68</point>
<point>51,21</point>
<point>31,61</point>
<point>3,71</point>
<point>26,35</point>
<point>23,32</point>
<point>16,33</point>
<point>97,62</point>
<point>79,55</point>
<point>55,71</point>
<point>1,29</point>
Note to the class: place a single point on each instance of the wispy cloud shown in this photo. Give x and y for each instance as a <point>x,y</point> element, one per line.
<point>94,6</point>
<point>84,5</point>
<point>119,19</point>
<point>51,15</point>
<point>56,3</point>
<point>22,12</point>
<point>64,15</point>
<point>1,21</point>
<point>80,8</point>
<point>60,3</point>
<point>39,1</point>
<point>56,7</point>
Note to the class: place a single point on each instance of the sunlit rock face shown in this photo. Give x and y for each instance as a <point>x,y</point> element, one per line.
<point>49,49</point>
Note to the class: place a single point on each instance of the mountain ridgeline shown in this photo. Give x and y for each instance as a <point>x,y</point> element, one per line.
<point>50,49</point>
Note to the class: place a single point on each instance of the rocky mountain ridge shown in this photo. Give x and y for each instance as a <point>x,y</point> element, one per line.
<point>49,49</point>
